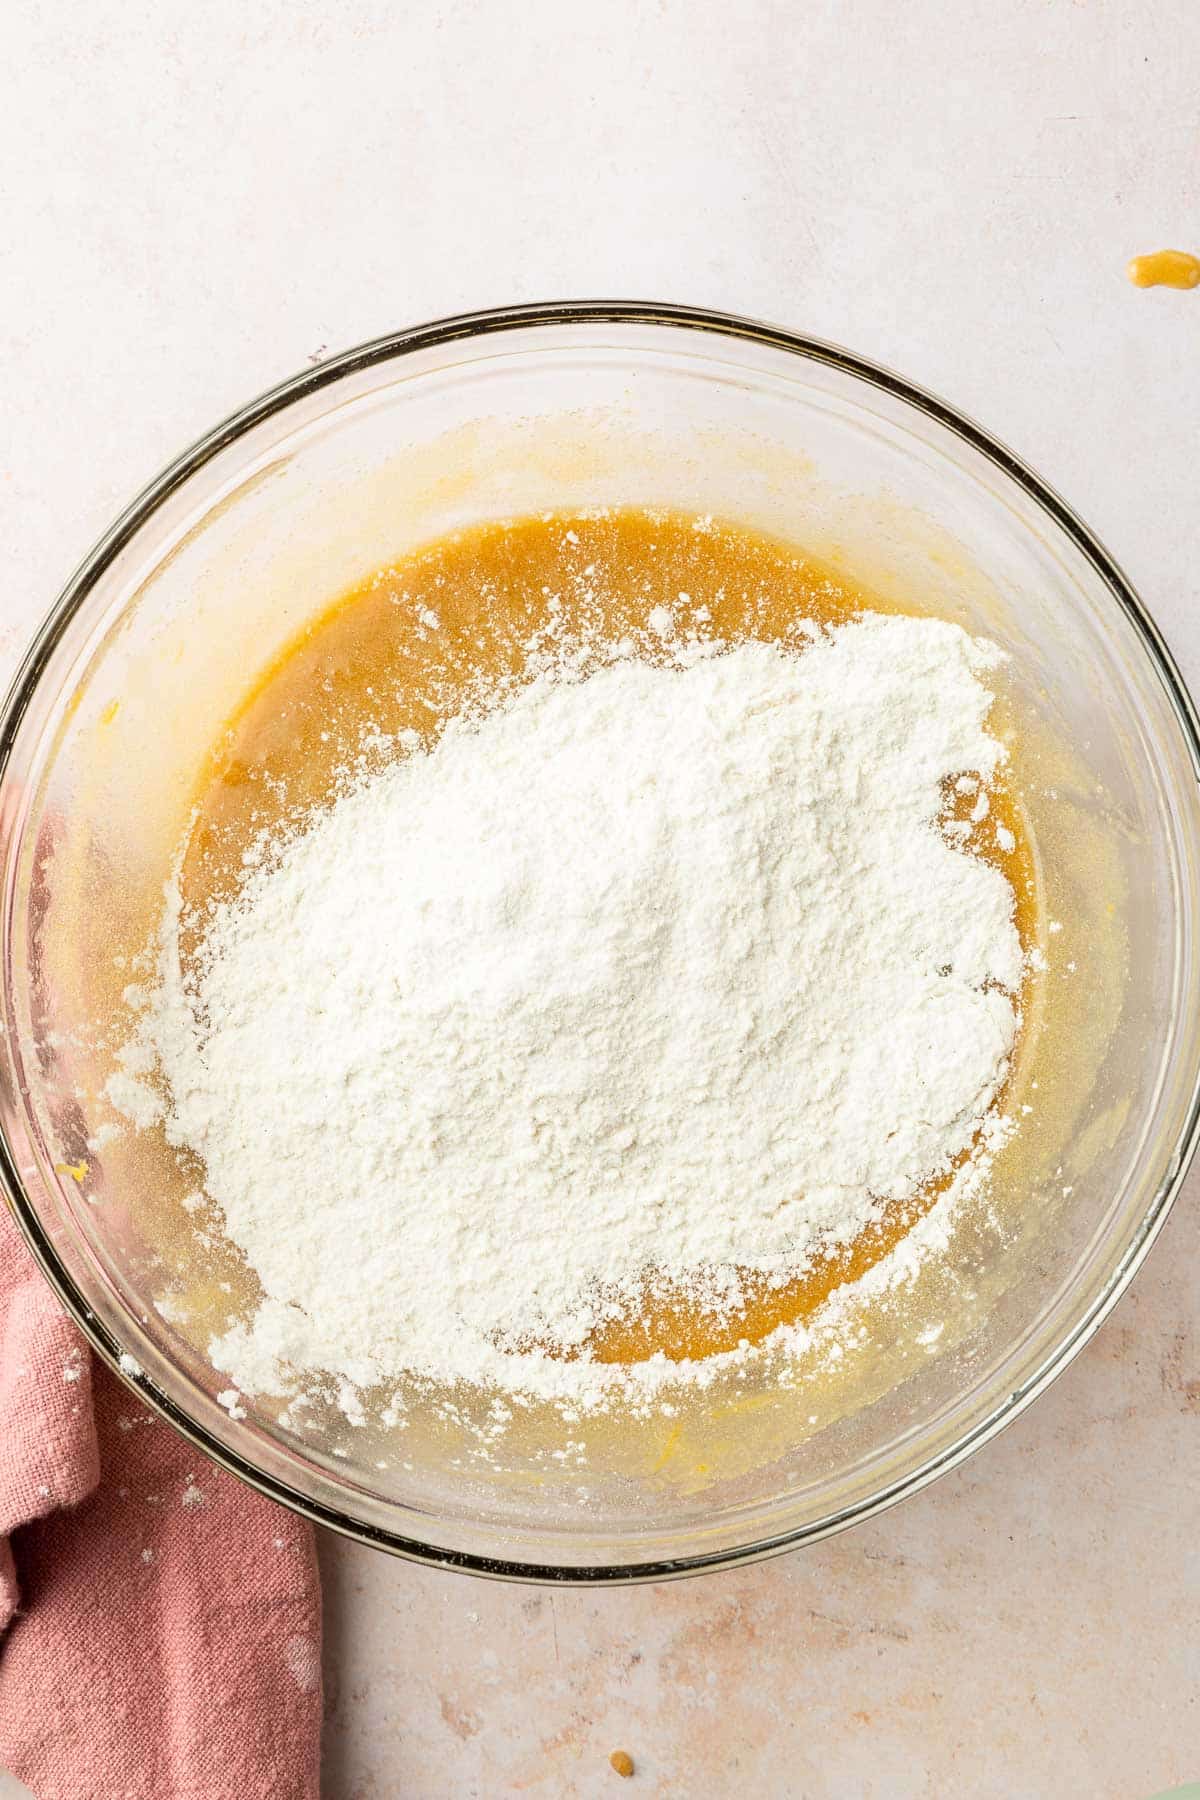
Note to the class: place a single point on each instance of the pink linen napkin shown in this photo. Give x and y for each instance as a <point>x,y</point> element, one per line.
<point>160,1626</point>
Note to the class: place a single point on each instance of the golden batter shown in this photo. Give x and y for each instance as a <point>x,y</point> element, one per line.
<point>419,641</point>
<point>1165,268</point>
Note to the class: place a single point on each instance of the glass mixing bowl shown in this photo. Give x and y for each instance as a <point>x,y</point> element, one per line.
<point>216,565</point>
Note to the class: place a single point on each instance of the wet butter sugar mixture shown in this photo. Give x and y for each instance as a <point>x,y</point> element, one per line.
<point>1165,268</point>
<point>601,938</point>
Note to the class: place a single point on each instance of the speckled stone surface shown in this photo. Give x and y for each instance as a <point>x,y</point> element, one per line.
<point>199,199</point>
<point>1026,1626</point>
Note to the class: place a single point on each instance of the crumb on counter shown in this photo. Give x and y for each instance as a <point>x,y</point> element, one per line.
<point>622,1762</point>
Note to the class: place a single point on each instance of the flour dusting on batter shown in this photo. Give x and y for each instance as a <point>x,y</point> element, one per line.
<point>657,976</point>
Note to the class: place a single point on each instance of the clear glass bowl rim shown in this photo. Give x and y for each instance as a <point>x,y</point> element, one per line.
<point>484,324</point>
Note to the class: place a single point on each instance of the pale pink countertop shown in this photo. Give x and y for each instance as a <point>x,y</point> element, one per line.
<point>197,200</point>
<point>1026,1626</point>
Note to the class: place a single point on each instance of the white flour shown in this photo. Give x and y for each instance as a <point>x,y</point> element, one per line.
<point>666,972</point>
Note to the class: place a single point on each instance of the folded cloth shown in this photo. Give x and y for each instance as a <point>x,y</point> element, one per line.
<point>161,1625</point>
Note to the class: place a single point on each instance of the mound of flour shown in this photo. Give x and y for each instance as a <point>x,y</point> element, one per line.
<point>660,972</point>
